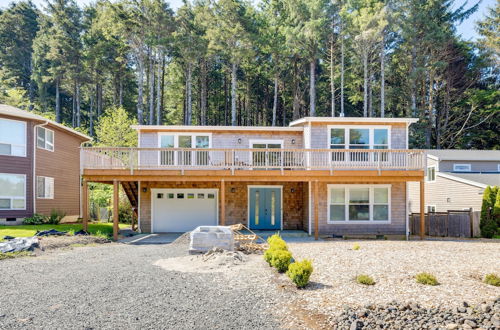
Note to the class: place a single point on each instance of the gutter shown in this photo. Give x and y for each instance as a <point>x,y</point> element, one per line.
<point>35,134</point>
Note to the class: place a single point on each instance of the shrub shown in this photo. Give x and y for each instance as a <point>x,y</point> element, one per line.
<point>55,217</point>
<point>299,272</point>
<point>268,255</point>
<point>492,279</point>
<point>365,280</point>
<point>276,242</point>
<point>496,209</point>
<point>281,259</point>
<point>36,219</point>
<point>426,279</point>
<point>356,247</point>
<point>488,223</point>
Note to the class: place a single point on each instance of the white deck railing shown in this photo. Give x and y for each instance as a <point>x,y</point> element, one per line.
<point>251,159</point>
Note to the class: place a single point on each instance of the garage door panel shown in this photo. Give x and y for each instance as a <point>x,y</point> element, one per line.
<point>180,210</point>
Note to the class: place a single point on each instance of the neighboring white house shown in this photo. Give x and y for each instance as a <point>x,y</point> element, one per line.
<point>456,179</point>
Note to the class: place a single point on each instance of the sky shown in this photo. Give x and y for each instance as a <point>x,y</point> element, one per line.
<point>466,29</point>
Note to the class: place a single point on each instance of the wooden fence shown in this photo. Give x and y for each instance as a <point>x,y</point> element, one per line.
<point>447,224</point>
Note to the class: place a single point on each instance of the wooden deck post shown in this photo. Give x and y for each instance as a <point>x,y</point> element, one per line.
<point>316,203</point>
<point>222,201</point>
<point>85,205</point>
<point>422,209</point>
<point>116,202</point>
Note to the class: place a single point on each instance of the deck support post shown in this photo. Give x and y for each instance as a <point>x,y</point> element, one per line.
<point>85,205</point>
<point>116,201</point>
<point>222,201</point>
<point>316,205</point>
<point>422,209</point>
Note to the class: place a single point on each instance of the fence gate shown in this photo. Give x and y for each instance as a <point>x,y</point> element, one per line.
<point>454,223</point>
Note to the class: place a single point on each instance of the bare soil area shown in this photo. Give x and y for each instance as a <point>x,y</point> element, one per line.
<point>458,266</point>
<point>58,242</point>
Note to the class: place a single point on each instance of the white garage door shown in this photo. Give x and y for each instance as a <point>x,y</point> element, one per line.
<point>181,210</point>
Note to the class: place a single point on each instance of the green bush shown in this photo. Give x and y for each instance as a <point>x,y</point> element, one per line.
<point>55,217</point>
<point>426,279</point>
<point>488,223</point>
<point>496,209</point>
<point>365,280</point>
<point>281,259</point>
<point>36,219</point>
<point>276,242</point>
<point>299,272</point>
<point>356,247</point>
<point>492,279</point>
<point>268,255</point>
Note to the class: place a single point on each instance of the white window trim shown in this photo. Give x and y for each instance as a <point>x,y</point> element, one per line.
<point>427,173</point>
<point>16,197</point>
<point>46,142</point>
<point>45,183</point>
<point>370,128</point>
<point>192,134</point>
<point>371,186</point>
<point>25,145</point>
<point>264,141</point>
<point>176,142</point>
<point>466,165</point>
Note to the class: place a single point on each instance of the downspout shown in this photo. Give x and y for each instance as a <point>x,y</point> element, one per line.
<point>34,162</point>
<point>80,180</point>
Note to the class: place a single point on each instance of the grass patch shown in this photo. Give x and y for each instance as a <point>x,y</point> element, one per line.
<point>492,279</point>
<point>95,229</point>
<point>356,247</point>
<point>365,280</point>
<point>11,255</point>
<point>496,236</point>
<point>426,279</point>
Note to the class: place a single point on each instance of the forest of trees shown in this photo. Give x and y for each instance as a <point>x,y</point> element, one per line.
<point>237,62</point>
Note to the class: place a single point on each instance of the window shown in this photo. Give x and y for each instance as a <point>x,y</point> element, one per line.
<point>44,187</point>
<point>45,138</point>
<point>358,203</point>
<point>12,191</point>
<point>498,168</point>
<point>359,137</point>
<point>187,141</point>
<point>180,196</point>
<point>431,208</point>
<point>461,167</point>
<point>12,138</point>
<point>431,173</point>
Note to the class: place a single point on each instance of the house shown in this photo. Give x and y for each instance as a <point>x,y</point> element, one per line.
<point>39,166</point>
<point>456,179</point>
<point>327,176</point>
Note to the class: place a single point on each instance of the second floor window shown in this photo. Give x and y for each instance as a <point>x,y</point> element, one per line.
<point>431,173</point>
<point>45,138</point>
<point>359,138</point>
<point>12,138</point>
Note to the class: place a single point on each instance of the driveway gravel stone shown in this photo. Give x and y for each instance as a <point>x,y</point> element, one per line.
<point>117,286</point>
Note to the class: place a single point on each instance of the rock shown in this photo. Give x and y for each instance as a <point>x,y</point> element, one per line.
<point>461,309</point>
<point>452,326</point>
<point>485,308</point>
<point>356,325</point>
<point>470,323</point>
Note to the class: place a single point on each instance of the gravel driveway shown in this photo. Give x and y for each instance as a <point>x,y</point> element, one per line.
<point>116,286</point>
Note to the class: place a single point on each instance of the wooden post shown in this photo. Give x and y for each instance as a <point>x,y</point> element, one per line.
<point>85,205</point>
<point>316,221</point>
<point>222,203</point>
<point>422,209</point>
<point>116,201</point>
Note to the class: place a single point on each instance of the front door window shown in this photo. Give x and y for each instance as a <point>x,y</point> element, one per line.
<point>265,208</point>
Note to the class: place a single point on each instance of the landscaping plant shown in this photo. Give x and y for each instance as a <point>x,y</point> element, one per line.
<point>426,279</point>
<point>281,259</point>
<point>276,243</point>
<point>365,280</point>
<point>299,272</point>
<point>36,219</point>
<point>488,224</point>
<point>492,279</point>
<point>356,247</point>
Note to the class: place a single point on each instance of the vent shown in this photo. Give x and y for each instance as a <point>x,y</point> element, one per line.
<point>10,219</point>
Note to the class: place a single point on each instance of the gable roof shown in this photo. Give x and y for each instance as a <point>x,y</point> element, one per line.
<point>19,113</point>
<point>331,120</point>
<point>475,179</point>
<point>465,155</point>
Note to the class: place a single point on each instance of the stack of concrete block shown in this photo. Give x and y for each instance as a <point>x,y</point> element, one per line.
<point>205,238</point>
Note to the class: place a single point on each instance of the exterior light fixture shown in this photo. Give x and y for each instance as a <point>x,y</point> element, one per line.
<point>448,200</point>
<point>239,141</point>
<point>144,190</point>
<point>292,190</point>
<point>293,141</point>
<point>233,190</point>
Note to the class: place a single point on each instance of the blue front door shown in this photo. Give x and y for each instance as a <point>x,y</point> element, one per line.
<point>265,208</point>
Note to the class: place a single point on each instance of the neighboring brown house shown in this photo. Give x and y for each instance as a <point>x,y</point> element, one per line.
<point>456,179</point>
<point>328,176</point>
<point>39,166</point>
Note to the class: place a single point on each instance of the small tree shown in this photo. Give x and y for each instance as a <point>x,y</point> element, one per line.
<point>496,208</point>
<point>487,223</point>
<point>114,129</point>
